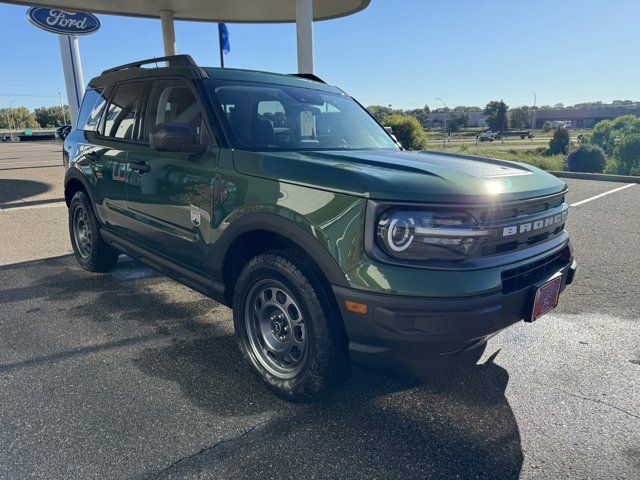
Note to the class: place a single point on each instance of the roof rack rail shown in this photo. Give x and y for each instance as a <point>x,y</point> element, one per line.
<point>308,76</point>
<point>173,60</point>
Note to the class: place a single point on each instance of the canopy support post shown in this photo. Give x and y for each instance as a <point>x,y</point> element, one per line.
<point>168,32</point>
<point>304,35</point>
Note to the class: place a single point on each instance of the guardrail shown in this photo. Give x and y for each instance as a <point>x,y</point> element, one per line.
<point>7,135</point>
<point>605,177</point>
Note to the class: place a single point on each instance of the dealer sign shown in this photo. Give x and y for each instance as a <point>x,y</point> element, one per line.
<point>63,23</point>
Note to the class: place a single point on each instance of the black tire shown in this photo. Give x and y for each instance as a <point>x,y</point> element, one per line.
<point>90,250</point>
<point>295,287</point>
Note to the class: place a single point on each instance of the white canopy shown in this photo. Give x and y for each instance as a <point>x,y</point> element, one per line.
<point>242,11</point>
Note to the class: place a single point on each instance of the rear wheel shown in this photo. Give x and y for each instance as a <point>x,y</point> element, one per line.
<point>91,251</point>
<point>288,327</point>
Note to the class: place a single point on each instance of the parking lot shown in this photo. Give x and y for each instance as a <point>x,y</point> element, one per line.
<point>131,375</point>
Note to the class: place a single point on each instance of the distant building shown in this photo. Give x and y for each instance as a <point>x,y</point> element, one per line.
<point>568,117</point>
<point>582,117</point>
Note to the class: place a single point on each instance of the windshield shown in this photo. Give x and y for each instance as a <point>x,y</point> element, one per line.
<point>281,117</point>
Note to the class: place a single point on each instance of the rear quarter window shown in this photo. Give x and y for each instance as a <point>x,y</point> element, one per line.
<point>91,110</point>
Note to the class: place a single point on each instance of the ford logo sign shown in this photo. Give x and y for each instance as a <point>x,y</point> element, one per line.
<point>62,22</point>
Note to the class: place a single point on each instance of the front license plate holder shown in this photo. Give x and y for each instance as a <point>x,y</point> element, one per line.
<point>545,297</point>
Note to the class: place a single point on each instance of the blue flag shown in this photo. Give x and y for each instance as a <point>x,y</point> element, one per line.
<point>223,33</point>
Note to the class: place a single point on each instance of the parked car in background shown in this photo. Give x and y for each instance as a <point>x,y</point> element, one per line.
<point>486,137</point>
<point>63,131</point>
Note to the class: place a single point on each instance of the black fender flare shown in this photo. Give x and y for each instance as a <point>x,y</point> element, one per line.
<point>283,227</point>
<point>74,174</point>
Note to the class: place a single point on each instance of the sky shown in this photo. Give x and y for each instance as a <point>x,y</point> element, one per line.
<point>403,53</point>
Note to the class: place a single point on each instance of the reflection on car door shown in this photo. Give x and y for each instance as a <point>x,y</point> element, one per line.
<point>117,131</point>
<point>170,195</point>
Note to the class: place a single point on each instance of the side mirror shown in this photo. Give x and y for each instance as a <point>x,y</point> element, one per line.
<point>390,132</point>
<point>175,137</point>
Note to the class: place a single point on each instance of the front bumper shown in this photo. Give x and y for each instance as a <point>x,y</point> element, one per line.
<point>402,333</point>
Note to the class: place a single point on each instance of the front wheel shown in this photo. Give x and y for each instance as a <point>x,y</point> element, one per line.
<point>288,328</point>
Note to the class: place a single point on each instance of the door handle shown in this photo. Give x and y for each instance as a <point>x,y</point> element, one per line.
<point>140,167</point>
<point>92,156</point>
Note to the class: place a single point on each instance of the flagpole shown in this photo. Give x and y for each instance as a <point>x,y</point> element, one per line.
<point>220,46</point>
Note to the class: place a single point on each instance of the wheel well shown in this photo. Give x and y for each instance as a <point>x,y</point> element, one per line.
<point>74,185</point>
<point>253,243</point>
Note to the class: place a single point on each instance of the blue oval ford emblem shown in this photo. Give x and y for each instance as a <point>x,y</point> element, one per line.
<point>62,22</point>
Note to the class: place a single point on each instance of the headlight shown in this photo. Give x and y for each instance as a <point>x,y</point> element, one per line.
<point>427,235</point>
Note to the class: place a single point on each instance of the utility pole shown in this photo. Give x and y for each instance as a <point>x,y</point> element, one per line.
<point>444,124</point>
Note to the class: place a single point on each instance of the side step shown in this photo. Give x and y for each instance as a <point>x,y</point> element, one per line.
<point>177,272</point>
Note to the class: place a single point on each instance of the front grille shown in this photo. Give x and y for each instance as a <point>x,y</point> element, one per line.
<point>508,213</point>
<point>526,275</point>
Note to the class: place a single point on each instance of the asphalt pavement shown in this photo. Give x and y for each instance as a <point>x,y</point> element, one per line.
<point>131,375</point>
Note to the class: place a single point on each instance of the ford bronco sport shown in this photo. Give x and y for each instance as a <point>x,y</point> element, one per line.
<point>281,197</point>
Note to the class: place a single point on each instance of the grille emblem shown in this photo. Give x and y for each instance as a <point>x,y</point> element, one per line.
<point>534,225</point>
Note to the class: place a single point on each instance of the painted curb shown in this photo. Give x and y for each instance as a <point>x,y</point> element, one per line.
<point>603,177</point>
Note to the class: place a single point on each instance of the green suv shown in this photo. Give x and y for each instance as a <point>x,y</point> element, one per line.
<point>281,197</point>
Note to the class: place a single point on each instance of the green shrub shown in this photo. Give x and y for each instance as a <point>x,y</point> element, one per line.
<point>586,158</point>
<point>547,126</point>
<point>408,131</point>
<point>560,142</point>
<point>612,167</point>
<point>608,133</point>
<point>627,155</point>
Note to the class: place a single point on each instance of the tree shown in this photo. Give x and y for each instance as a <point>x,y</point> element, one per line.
<point>462,108</point>
<point>420,114</point>
<point>379,112</point>
<point>408,131</point>
<point>18,118</point>
<point>608,133</point>
<point>547,126</point>
<point>457,121</point>
<point>627,154</point>
<point>496,113</point>
<point>560,142</point>
<point>519,117</point>
<point>49,117</point>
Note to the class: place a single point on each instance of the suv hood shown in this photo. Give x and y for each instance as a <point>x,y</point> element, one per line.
<point>403,176</point>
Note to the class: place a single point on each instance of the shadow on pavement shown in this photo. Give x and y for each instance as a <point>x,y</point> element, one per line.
<point>15,189</point>
<point>374,426</point>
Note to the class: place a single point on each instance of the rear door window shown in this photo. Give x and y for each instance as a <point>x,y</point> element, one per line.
<point>122,115</point>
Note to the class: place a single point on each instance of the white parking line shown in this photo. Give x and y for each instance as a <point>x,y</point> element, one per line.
<point>601,195</point>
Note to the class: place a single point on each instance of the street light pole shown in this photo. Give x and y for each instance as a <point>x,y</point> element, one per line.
<point>444,124</point>
<point>533,114</point>
<point>11,124</point>
<point>64,114</point>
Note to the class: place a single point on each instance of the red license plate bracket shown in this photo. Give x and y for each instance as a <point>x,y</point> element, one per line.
<point>546,297</point>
